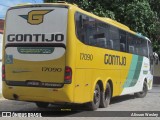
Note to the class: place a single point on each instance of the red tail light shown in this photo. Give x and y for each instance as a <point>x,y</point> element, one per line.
<point>68,75</point>
<point>3,72</point>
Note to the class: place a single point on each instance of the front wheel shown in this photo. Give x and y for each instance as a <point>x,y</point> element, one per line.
<point>106,96</point>
<point>96,99</point>
<point>144,91</point>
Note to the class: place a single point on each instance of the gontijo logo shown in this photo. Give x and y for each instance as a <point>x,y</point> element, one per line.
<point>35,17</point>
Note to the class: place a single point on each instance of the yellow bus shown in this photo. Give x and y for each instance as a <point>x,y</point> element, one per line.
<point>61,53</point>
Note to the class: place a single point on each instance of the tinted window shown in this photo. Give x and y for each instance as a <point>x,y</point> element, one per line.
<point>79,28</point>
<point>96,33</point>
<point>123,43</point>
<point>93,32</point>
<point>114,38</point>
<point>137,46</point>
<point>143,49</point>
<point>131,44</point>
<point>150,53</point>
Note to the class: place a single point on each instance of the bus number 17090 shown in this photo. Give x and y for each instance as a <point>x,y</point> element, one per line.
<point>84,56</point>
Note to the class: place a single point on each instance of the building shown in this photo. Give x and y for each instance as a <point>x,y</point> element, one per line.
<point>1,25</point>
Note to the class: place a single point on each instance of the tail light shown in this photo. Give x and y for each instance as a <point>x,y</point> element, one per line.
<point>3,72</point>
<point>68,75</point>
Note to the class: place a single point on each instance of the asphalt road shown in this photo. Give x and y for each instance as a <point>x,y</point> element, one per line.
<point>123,103</point>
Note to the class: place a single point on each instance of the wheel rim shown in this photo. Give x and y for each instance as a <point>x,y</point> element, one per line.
<point>96,96</point>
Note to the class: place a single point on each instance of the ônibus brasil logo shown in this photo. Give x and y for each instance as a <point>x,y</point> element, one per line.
<point>35,17</point>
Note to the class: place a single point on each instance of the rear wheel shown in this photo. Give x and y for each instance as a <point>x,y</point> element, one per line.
<point>96,99</point>
<point>144,91</point>
<point>106,96</point>
<point>42,104</point>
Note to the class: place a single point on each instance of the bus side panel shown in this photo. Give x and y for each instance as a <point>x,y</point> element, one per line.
<point>79,86</point>
<point>138,72</point>
<point>71,51</point>
<point>126,71</point>
<point>91,67</point>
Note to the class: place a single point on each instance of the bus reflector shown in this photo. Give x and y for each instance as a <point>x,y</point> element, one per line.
<point>68,75</point>
<point>3,72</point>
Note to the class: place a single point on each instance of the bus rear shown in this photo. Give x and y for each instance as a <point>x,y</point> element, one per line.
<point>34,62</point>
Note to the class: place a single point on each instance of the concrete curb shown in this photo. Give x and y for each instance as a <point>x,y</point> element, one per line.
<point>156,85</point>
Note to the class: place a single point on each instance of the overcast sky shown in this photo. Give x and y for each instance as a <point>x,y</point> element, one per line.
<point>5,4</point>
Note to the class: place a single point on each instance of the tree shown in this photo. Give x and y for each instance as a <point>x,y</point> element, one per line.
<point>92,6</point>
<point>140,15</point>
<point>155,6</point>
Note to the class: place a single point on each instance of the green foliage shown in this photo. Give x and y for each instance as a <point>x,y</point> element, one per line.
<point>92,6</point>
<point>140,15</point>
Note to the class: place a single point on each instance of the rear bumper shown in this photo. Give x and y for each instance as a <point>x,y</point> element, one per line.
<point>33,94</point>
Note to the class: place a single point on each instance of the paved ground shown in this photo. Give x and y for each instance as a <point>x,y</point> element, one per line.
<point>124,103</point>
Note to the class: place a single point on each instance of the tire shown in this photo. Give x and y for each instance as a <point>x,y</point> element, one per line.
<point>106,96</point>
<point>42,104</point>
<point>144,91</point>
<point>96,99</point>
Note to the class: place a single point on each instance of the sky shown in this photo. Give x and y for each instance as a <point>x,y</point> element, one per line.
<point>5,4</point>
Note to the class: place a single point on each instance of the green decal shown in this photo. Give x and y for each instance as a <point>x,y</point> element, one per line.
<point>134,71</point>
<point>131,71</point>
<point>137,71</point>
<point>35,50</point>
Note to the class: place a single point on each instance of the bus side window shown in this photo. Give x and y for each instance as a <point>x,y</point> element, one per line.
<point>131,49</point>
<point>122,47</point>
<point>80,27</point>
<point>101,42</point>
<point>122,41</point>
<point>137,50</point>
<point>110,44</point>
<point>114,38</point>
<point>136,46</point>
<point>150,53</point>
<point>92,41</point>
<point>80,21</point>
<point>143,51</point>
<point>100,34</point>
<point>131,44</point>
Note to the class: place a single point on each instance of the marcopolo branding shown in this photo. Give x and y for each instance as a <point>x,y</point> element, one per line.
<point>114,60</point>
<point>35,17</point>
<point>35,37</point>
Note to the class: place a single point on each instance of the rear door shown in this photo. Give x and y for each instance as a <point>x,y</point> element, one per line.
<point>35,44</point>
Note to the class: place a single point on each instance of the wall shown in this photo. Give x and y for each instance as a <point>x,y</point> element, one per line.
<point>156,79</point>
